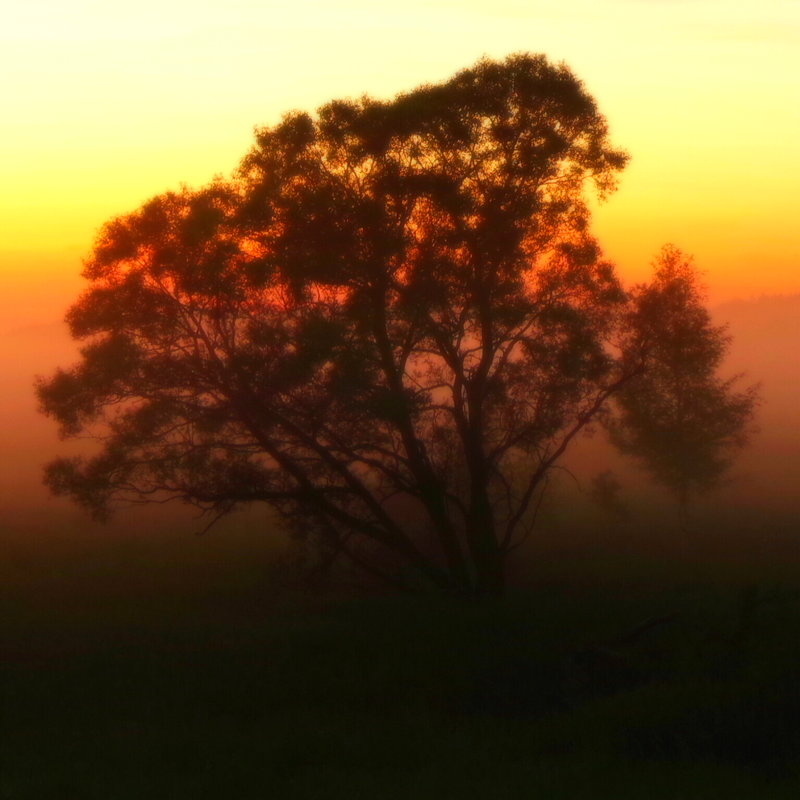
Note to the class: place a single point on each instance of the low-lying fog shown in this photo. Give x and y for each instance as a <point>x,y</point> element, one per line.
<point>48,542</point>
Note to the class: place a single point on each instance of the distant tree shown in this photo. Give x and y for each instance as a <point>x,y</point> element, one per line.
<point>389,325</point>
<point>605,494</point>
<point>681,420</point>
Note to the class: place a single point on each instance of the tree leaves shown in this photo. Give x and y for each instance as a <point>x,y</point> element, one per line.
<point>390,323</point>
<point>681,420</point>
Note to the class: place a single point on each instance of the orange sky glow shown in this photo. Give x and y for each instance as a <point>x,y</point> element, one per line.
<point>105,105</point>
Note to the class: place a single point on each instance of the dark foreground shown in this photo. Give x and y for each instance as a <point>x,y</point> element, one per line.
<point>619,679</point>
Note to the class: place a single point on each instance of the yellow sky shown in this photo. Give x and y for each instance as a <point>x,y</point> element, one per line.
<point>104,105</point>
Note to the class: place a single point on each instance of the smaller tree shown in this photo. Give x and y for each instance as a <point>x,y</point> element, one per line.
<point>678,418</point>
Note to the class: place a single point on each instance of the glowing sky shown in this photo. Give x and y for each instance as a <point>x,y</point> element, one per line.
<point>106,104</point>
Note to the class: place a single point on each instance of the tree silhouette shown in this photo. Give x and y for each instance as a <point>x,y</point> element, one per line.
<point>389,325</point>
<point>679,418</point>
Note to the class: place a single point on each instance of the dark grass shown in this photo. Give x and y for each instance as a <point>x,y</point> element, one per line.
<point>119,684</point>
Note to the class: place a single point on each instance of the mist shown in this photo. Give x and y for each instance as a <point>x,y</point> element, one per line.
<point>41,529</point>
<point>145,643</point>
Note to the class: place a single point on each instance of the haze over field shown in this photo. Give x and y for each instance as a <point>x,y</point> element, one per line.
<point>766,338</point>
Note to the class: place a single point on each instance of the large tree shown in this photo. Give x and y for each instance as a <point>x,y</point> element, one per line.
<point>389,324</point>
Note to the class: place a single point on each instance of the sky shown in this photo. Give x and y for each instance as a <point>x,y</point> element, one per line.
<point>103,105</point>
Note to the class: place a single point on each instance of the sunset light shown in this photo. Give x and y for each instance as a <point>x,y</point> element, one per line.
<point>399,399</point>
<point>105,106</point>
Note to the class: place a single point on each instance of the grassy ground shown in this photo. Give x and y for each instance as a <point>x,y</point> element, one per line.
<point>608,677</point>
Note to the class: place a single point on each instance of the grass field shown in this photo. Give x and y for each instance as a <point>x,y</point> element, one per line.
<point>607,675</point>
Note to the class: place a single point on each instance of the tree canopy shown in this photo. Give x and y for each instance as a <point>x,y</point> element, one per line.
<point>679,418</point>
<point>389,324</point>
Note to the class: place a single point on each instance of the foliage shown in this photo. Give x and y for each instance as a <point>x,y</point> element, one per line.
<point>679,418</point>
<point>390,325</point>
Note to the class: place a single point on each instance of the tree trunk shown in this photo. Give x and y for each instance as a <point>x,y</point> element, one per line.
<point>487,558</point>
